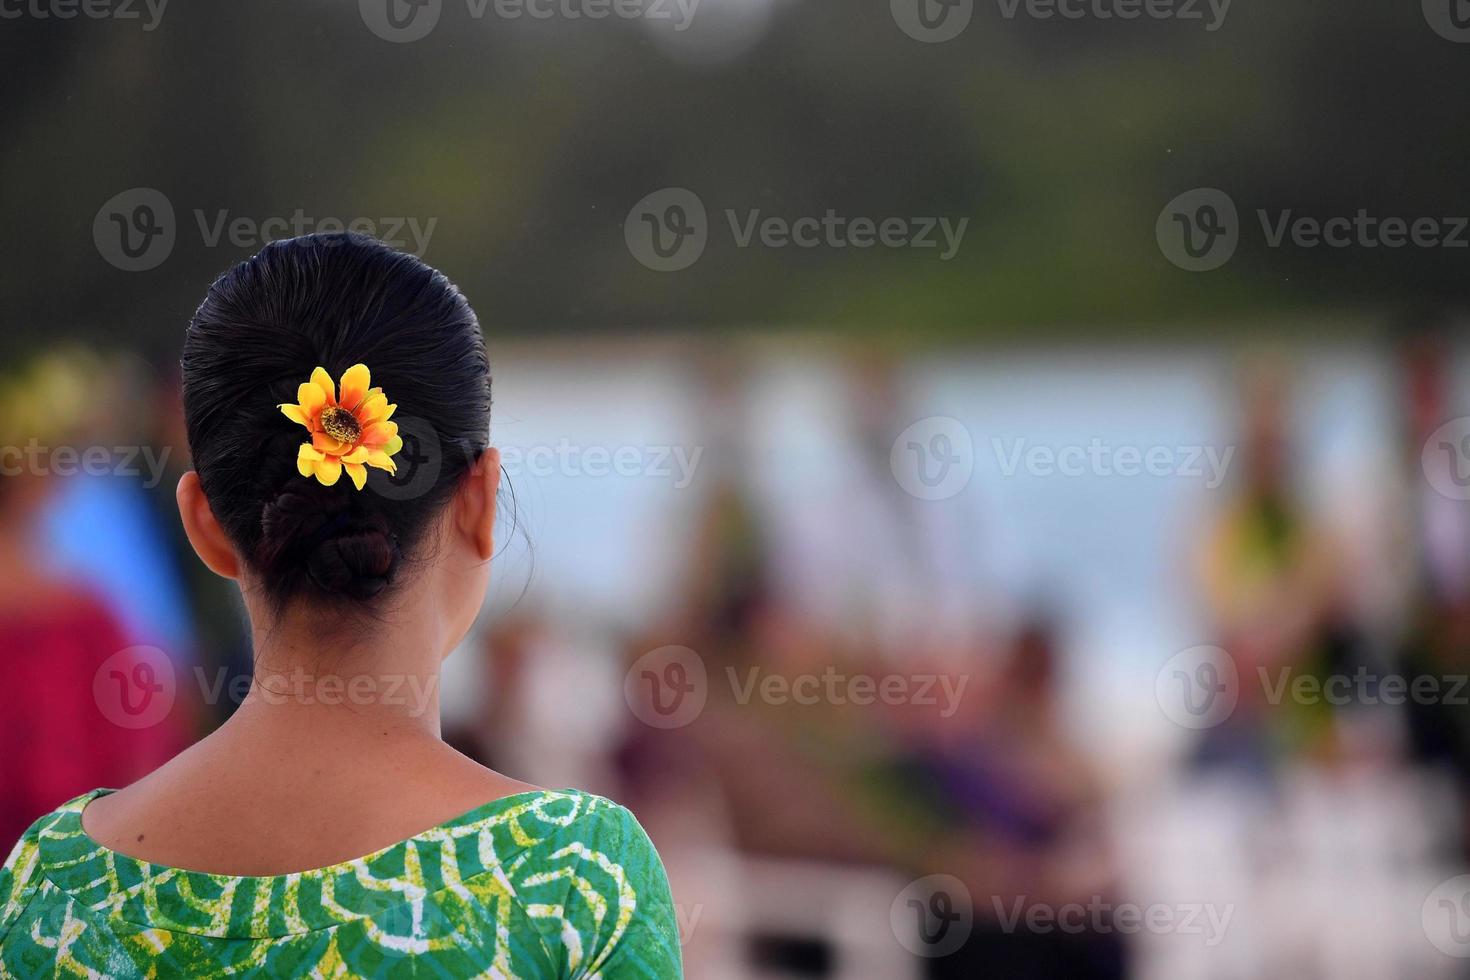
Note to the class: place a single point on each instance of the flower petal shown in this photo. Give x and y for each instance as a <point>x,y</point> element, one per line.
<point>323,380</point>
<point>357,473</point>
<point>378,434</point>
<point>295,414</point>
<point>329,471</point>
<point>311,396</point>
<point>306,459</point>
<point>326,444</point>
<point>380,460</point>
<point>358,455</point>
<point>393,446</point>
<point>356,381</point>
<point>372,408</point>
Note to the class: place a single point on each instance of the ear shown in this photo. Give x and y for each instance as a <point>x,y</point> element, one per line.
<point>210,542</point>
<point>474,503</point>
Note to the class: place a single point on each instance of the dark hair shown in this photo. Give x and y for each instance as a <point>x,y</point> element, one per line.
<point>332,300</point>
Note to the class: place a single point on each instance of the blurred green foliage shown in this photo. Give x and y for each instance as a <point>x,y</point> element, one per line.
<point>529,141</point>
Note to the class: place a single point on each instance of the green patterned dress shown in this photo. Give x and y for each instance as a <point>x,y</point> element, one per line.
<point>547,884</point>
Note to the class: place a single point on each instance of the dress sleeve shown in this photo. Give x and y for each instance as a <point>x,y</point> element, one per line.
<point>19,876</point>
<point>597,893</point>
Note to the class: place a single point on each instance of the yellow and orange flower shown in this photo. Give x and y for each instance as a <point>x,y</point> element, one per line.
<point>348,432</point>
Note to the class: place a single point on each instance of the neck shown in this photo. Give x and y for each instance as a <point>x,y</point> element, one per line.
<point>318,677</point>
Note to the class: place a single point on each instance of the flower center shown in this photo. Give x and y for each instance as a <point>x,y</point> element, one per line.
<point>340,424</point>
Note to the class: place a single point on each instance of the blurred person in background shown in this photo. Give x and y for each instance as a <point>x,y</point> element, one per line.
<point>1001,796</point>
<point>59,640</point>
<point>1436,641</point>
<point>1267,578</point>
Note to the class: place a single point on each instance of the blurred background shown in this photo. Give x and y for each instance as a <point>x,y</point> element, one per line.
<point>988,483</point>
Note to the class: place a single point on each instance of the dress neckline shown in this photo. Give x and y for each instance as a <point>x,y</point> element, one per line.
<point>472,815</point>
<point>480,840</point>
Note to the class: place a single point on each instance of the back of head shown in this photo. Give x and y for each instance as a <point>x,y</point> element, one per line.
<point>330,301</point>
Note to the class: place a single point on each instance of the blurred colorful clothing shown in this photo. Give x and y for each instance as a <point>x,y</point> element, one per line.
<point>55,740</point>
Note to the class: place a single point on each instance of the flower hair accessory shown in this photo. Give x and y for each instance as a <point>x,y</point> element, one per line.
<point>349,430</point>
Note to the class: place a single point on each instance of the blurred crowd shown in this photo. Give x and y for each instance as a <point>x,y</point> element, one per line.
<point>830,830</point>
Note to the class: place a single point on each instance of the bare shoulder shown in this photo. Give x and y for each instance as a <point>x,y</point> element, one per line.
<point>246,816</point>
<point>463,782</point>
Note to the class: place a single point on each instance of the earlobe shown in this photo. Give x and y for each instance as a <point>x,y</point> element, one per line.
<point>209,540</point>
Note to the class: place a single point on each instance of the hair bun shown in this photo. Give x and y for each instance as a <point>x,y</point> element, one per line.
<point>329,540</point>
